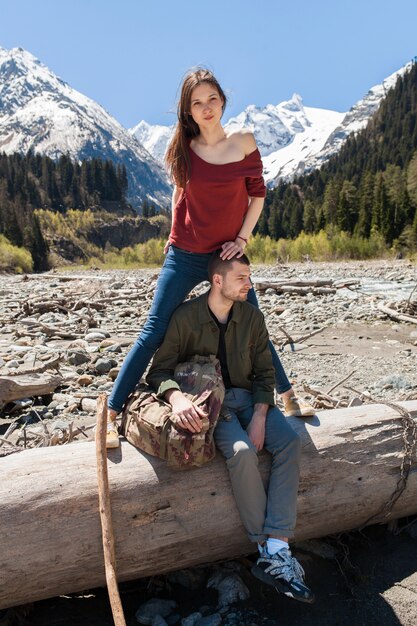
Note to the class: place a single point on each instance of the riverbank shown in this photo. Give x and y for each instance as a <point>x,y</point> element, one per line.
<point>88,320</point>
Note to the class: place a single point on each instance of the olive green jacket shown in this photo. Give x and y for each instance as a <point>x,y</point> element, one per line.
<point>192,331</point>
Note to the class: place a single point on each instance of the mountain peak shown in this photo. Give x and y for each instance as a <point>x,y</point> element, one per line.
<point>40,112</point>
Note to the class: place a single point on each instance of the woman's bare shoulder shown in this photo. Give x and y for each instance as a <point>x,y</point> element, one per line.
<point>245,139</point>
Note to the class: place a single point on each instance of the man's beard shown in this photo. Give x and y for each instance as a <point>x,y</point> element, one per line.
<point>234,296</point>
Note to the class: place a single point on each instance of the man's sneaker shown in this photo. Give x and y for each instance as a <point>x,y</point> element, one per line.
<point>283,571</point>
<point>295,408</point>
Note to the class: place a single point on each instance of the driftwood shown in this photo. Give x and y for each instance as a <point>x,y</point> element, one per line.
<point>318,287</point>
<point>27,385</point>
<point>395,315</point>
<point>166,520</point>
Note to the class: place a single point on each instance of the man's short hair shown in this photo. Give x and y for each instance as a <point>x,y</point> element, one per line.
<point>219,266</point>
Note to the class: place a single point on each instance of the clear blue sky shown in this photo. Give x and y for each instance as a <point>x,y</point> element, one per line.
<point>130,55</point>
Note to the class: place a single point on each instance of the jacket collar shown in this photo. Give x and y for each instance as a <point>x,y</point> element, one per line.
<point>204,316</point>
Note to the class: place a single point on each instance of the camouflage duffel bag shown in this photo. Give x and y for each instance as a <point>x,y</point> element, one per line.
<point>149,424</point>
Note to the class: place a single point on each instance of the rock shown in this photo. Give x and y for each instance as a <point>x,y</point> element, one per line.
<point>77,357</point>
<point>85,380</point>
<point>114,348</point>
<point>230,587</point>
<point>103,366</point>
<point>188,578</point>
<point>62,398</point>
<point>152,608</point>
<point>210,620</point>
<point>114,372</point>
<point>191,620</point>
<point>12,364</point>
<point>106,343</point>
<point>89,405</point>
<point>159,621</point>
<point>96,336</point>
<point>78,343</point>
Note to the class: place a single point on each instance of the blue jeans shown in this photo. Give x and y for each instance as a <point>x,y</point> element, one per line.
<point>263,512</point>
<point>180,273</point>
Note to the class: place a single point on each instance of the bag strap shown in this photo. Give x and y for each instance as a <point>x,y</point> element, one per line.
<point>163,441</point>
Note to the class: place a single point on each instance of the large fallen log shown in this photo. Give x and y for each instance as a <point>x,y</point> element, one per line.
<point>165,520</point>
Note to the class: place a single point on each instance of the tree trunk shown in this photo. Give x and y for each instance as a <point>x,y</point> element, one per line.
<point>165,520</point>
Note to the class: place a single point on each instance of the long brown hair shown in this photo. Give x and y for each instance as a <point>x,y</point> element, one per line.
<point>177,157</point>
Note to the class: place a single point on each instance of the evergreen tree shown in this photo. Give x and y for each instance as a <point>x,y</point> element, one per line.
<point>346,212</point>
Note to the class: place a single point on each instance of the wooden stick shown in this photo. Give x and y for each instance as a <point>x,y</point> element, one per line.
<point>105,513</point>
<point>329,391</point>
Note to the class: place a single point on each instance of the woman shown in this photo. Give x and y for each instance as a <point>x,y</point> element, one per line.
<point>217,199</point>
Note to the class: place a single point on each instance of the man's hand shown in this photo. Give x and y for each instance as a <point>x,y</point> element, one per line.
<point>256,427</point>
<point>188,415</point>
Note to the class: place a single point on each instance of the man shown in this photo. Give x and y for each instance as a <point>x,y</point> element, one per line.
<point>221,322</point>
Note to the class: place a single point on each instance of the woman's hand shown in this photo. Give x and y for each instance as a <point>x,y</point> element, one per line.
<point>166,246</point>
<point>231,249</point>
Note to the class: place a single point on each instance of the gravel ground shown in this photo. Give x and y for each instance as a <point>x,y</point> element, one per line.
<point>361,578</point>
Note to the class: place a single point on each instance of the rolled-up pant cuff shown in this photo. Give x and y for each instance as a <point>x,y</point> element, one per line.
<point>271,531</point>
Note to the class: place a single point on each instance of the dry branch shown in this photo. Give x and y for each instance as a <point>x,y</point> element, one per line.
<point>399,317</point>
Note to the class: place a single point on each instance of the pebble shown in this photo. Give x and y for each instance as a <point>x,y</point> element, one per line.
<point>106,343</point>
<point>77,357</point>
<point>210,620</point>
<point>105,365</point>
<point>96,336</point>
<point>152,608</point>
<point>113,349</point>
<point>85,380</point>
<point>114,372</point>
<point>12,364</point>
<point>192,619</point>
<point>158,620</point>
<point>230,587</point>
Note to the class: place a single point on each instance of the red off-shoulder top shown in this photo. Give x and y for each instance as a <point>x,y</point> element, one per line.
<point>215,201</point>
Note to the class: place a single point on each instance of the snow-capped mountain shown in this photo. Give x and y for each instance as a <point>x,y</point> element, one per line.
<point>355,119</point>
<point>154,138</point>
<point>292,138</point>
<point>286,134</point>
<point>39,111</point>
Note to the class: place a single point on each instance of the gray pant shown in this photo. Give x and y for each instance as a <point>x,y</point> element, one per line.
<point>262,513</point>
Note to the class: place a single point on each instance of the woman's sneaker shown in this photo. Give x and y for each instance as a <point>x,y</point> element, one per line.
<point>297,408</point>
<point>112,436</point>
<point>283,571</point>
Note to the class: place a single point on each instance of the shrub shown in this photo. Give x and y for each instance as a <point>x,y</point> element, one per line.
<point>13,258</point>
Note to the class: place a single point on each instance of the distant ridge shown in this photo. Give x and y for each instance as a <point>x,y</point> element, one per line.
<point>40,112</point>
<point>291,137</point>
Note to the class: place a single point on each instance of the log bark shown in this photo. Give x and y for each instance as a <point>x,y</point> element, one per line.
<point>27,385</point>
<point>165,520</point>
